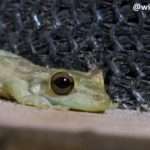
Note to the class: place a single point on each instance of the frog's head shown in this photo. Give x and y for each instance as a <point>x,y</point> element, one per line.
<point>77,90</point>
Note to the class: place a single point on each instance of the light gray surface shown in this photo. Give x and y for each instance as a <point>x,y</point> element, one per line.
<point>23,128</point>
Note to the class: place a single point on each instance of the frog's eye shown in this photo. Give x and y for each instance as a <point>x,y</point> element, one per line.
<point>62,83</point>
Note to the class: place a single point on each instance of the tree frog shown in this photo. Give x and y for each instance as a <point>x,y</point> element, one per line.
<point>42,87</point>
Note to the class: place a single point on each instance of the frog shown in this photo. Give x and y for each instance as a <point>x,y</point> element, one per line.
<point>30,84</point>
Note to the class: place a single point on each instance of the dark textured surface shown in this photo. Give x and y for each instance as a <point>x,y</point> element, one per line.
<point>81,33</point>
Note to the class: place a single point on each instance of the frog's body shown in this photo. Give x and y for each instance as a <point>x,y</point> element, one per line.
<point>29,84</point>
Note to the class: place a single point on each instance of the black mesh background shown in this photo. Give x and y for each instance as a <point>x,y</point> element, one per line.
<point>79,34</point>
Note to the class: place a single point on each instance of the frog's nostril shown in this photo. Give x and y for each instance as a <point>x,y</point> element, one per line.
<point>62,83</point>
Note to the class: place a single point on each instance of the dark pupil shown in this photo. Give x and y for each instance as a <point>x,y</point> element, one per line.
<point>62,82</point>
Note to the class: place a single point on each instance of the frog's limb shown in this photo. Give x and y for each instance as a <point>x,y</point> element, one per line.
<point>18,90</point>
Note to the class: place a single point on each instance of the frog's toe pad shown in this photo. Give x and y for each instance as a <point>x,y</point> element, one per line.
<point>36,101</point>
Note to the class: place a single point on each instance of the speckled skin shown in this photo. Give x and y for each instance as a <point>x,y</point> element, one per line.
<point>29,84</point>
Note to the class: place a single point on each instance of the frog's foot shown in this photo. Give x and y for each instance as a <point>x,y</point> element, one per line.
<point>35,100</point>
<point>18,90</point>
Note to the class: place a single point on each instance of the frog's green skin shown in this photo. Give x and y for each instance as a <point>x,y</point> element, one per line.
<point>29,84</point>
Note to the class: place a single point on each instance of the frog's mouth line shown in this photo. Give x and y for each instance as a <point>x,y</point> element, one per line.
<point>56,107</point>
<point>73,104</point>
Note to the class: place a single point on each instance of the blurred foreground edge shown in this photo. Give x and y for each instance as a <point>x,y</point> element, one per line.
<point>27,128</point>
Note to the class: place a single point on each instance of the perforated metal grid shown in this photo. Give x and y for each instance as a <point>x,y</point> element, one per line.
<point>81,33</point>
